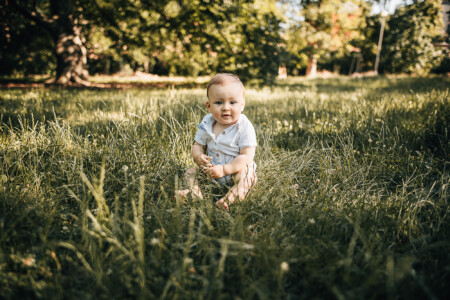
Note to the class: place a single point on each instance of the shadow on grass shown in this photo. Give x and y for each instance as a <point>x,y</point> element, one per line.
<point>29,83</point>
<point>23,80</point>
<point>379,84</point>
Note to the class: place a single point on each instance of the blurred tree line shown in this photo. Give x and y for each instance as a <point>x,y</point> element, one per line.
<point>251,38</point>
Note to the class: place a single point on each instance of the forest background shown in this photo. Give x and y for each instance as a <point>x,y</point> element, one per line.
<point>70,40</point>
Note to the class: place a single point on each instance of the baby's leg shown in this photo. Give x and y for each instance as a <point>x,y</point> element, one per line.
<point>191,179</point>
<point>243,182</point>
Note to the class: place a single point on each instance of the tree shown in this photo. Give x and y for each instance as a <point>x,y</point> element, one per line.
<point>70,24</point>
<point>326,28</point>
<point>59,19</point>
<point>410,37</point>
<point>254,46</point>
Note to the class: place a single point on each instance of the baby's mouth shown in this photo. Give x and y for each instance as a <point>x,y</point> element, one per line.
<point>225,116</point>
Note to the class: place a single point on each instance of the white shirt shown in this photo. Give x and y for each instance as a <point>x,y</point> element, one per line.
<point>226,146</point>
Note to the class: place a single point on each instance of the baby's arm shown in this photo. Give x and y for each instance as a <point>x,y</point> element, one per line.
<point>244,159</point>
<point>199,156</point>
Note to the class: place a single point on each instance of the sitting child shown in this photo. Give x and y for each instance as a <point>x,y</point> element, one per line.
<point>229,140</point>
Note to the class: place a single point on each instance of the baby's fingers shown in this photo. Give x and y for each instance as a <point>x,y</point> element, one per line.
<point>221,204</point>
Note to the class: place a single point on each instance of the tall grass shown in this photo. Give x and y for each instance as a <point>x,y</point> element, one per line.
<point>351,202</point>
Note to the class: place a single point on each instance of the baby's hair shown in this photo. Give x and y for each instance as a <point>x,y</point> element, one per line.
<point>222,79</point>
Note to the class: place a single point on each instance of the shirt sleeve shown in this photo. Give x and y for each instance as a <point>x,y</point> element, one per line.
<point>200,136</point>
<point>247,136</point>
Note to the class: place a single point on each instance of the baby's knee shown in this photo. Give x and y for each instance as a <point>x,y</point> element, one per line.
<point>245,185</point>
<point>245,177</point>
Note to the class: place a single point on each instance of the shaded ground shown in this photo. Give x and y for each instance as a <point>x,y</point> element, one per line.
<point>138,80</point>
<point>121,85</point>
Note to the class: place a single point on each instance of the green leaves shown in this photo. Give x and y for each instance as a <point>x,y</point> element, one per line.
<point>410,37</point>
<point>327,30</point>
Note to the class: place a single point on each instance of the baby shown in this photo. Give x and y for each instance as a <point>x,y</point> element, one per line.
<point>225,142</point>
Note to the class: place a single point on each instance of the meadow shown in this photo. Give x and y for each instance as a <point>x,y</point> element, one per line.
<point>351,202</point>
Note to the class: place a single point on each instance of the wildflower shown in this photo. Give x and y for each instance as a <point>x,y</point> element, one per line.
<point>317,180</point>
<point>311,221</point>
<point>154,242</point>
<point>284,266</point>
<point>125,168</point>
<point>370,140</point>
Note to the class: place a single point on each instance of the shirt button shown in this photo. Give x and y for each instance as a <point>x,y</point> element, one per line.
<point>223,132</point>
<point>218,155</point>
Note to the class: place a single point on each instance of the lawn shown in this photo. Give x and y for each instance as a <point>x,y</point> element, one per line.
<point>351,202</point>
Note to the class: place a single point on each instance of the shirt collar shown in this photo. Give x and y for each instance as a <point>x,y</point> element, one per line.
<point>208,122</point>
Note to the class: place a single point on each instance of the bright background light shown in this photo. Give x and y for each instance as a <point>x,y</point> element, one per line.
<point>390,6</point>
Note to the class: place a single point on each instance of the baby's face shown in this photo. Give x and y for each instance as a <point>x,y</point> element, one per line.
<point>226,102</point>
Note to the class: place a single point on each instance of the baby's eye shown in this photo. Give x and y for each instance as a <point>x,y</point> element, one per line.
<point>218,102</point>
<point>233,102</point>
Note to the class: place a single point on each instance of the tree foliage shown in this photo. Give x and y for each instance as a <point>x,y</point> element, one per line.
<point>251,38</point>
<point>411,34</point>
<point>166,37</point>
<point>24,47</point>
<point>326,29</point>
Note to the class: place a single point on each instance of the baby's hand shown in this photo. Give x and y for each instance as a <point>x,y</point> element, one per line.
<point>204,160</point>
<point>216,171</point>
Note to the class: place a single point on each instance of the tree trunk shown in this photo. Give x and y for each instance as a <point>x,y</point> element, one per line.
<point>146,65</point>
<point>311,69</point>
<point>71,58</point>
<point>71,55</point>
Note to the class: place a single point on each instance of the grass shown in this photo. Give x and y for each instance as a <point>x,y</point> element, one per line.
<point>352,198</point>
